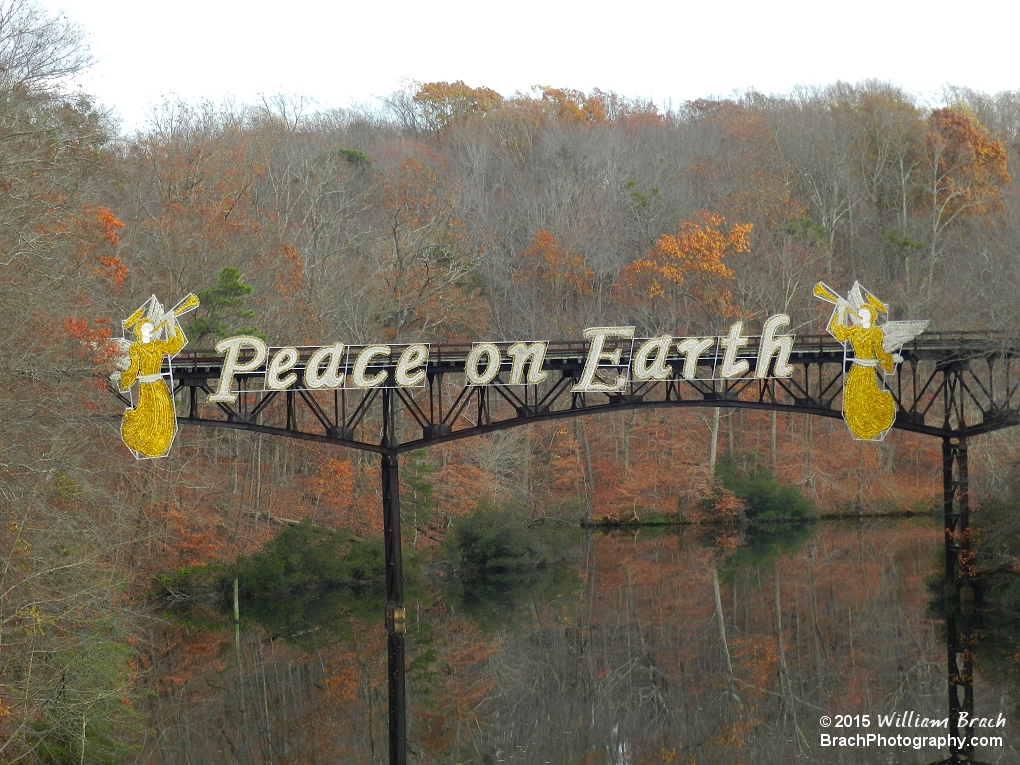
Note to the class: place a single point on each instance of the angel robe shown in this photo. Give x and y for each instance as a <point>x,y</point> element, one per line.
<point>150,427</point>
<point>869,410</point>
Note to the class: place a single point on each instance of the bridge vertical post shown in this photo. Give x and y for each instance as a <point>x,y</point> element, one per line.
<point>956,507</point>
<point>395,614</point>
<point>958,584</point>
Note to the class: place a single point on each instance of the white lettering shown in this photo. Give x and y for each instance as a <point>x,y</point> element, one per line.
<point>598,337</point>
<point>361,366</point>
<point>966,721</point>
<point>332,377</point>
<point>232,347</point>
<point>521,354</point>
<point>412,357</point>
<point>491,352</point>
<point>733,342</point>
<point>772,346</point>
<point>693,348</point>
<point>282,361</point>
<point>327,366</point>
<point>658,369</point>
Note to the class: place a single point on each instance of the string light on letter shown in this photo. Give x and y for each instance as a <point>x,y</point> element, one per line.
<point>491,353</point>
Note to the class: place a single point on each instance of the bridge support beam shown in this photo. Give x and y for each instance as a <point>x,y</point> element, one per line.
<point>396,622</point>
<point>395,614</point>
<point>958,585</point>
<point>956,508</point>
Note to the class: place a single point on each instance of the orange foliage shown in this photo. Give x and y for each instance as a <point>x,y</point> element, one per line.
<point>688,265</point>
<point>441,103</point>
<point>459,486</point>
<point>622,494</point>
<point>335,486</point>
<point>411,194</point>
<point>759,654</point>
<point>767,199</point>
<point>336,481</point>
<point>94,337</point>
<point>425,267</point>
<point>740,130</point>
<point>341,680</point>
<point>193,653</point>
<point>94,229</point>
<point>566,468</point>
<point>206,215</point>
<point>970,164</point>
<point>573,105</point>
<point>195,537</point>
<point>290,277</point>
<point>108,221</point>
<point>562,274</point>
<point>460,688</point>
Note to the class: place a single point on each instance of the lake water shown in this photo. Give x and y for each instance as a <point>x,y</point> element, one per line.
<point>688,646</point>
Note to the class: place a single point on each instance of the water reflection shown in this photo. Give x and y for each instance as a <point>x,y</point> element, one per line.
<point>318,618</point>
<point>506,601</point>
<point>663,648</point>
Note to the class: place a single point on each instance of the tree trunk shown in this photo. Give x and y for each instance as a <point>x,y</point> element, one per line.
<point>772,442</point>
<point>721,621</point>
<point>715,438</point>
<point>589,474</point>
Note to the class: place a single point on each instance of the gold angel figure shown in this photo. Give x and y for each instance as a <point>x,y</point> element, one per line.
<point>868,407</point>
<point>149,427</point>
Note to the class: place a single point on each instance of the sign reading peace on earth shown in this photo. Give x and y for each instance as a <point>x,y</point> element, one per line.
<point>406,366</point>
<point>613,358</point>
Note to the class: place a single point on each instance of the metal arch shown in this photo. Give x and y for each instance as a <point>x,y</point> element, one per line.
<point>501,425</point>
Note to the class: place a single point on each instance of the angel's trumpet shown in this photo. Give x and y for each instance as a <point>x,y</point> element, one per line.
<point>829,296</point>
<point>190,302</point>
<point>826,294</point>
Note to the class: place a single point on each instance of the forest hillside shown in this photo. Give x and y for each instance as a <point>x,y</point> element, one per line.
<point>448,213</point>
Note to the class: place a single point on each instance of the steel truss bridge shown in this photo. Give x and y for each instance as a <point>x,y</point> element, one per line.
<point>952,386</point>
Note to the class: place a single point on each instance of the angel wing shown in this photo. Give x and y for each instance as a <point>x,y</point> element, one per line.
<point>855,298</point>
<point>896,333</point>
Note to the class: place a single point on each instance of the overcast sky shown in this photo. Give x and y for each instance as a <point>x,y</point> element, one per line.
<point>343,53</point>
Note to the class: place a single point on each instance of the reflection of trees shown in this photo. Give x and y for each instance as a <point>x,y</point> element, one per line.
<point>985,572</point>
<point>835,627</point>
<point>663,655</point>
<point>277,704</point>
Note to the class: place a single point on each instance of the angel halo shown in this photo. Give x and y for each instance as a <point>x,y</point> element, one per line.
<point>868,407</point>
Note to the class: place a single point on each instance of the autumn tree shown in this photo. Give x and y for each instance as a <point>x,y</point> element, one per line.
<point>964,170</point>
<point>559,276</point>
<point>189,184</point>
<point>817,141</point>
<point>38,52</point>
<point>572,105</point>
<point>67,688</point>
<point>441,103</point>
<point>422,277</point>
<point>683,281</point>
